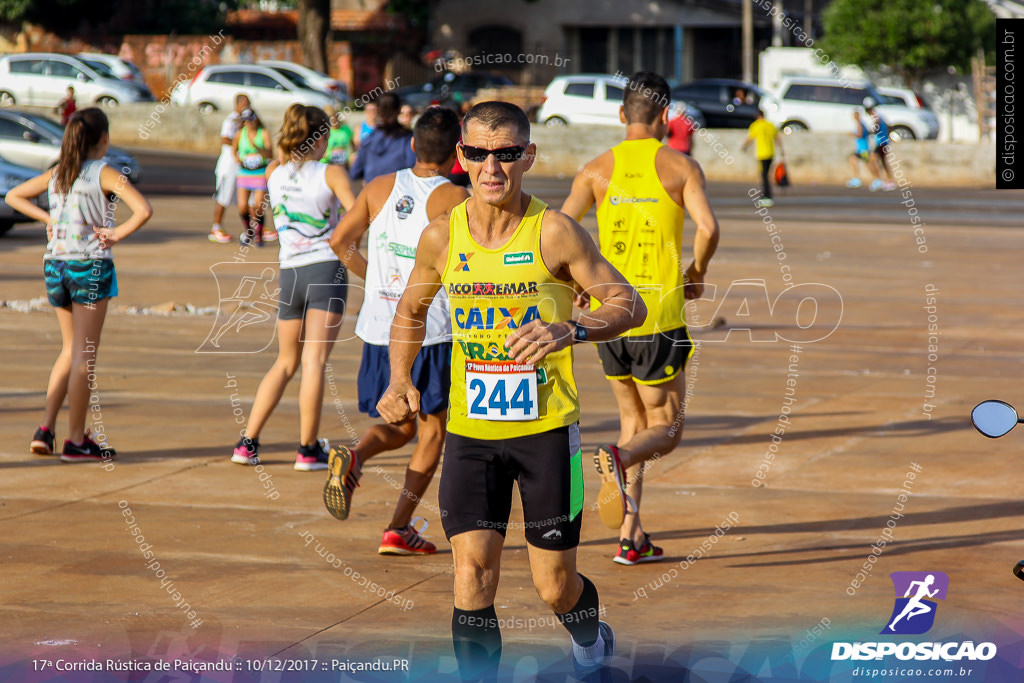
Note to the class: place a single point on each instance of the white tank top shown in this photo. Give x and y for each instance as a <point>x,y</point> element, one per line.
<point>73,216</point>
<point>391,252</point>
<point>305,212</point>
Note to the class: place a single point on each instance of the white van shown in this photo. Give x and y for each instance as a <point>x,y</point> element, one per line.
<point>824,105</point>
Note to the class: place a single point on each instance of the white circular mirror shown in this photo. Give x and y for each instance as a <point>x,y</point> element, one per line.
<point>994,418</point>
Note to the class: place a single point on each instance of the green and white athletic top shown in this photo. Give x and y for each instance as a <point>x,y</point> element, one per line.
<point>305,212</point>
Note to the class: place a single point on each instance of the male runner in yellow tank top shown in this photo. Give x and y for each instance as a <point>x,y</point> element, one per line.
<point>641,187</point>
<point>508,265</point>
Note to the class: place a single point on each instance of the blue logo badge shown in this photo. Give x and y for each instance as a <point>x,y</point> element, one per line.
<point>916,592</point>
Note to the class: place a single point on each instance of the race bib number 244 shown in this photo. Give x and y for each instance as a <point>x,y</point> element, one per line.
<point>501,390</point>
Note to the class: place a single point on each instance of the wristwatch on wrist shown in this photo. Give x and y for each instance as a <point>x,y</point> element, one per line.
<point>579,334</point>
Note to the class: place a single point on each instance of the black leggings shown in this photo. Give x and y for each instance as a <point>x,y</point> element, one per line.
<point>766,185</point>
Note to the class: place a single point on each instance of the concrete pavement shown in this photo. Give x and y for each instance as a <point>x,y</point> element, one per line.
<point>276,576</point>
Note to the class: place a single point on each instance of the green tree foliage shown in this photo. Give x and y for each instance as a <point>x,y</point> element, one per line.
<point>57,15</point>
<point>913,37</point>
<point>128,16</point>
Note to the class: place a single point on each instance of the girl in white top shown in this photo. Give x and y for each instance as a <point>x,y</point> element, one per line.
<point>79,269</point>
<point>304,195</point>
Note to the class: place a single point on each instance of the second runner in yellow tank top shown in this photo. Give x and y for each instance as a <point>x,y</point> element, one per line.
<point>491,293</point>
<point>641,229</point>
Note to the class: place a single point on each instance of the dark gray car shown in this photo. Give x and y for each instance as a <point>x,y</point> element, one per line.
<point>450,89</point>
<point>725,103</point>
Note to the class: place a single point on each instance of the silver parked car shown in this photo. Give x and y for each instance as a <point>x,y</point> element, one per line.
<point>12,175</point>
<point>33,140</point>
<point>214,89</point>
<point>42,78</point>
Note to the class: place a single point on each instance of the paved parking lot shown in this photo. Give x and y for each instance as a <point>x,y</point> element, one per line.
<point>768,542</point>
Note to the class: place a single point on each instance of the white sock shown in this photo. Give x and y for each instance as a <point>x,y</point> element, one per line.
<point>215,228</point>
<point>591,655</point>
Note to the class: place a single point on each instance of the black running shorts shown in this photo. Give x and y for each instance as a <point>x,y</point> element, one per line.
<point>476,486</point>
<point>650,359</point>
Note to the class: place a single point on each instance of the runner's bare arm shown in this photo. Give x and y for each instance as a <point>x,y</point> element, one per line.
<point>402,400</point>
<point>570,253</point>
<point>581,196</point>
<point>234,145</point>
<point>113,182</point>
<point>349,233</point>
<point>20,197</point>
<point>705,242</point>
<point>337,180</point>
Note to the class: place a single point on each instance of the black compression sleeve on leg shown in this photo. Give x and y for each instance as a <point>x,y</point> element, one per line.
<point>477,642</point>
<point>581,620</point>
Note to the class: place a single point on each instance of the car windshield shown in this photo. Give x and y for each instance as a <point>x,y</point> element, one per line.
<point>891,99</point>
<point>100,68</point>
<point>295,78</point>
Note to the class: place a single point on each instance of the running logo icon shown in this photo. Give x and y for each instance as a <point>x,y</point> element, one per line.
<point>914,612</point>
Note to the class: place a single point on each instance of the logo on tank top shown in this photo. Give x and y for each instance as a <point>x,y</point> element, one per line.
<point>402,250</point>
<point>404,207</point>
<point>463,265</point>
<point>519,258</point>
<point>615,201</point>
<point>393,288</point>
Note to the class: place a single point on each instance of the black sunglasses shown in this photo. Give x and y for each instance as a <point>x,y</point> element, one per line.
<point>504,155</point>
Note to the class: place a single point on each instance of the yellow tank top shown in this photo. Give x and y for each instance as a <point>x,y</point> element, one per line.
<point>640,228</point>
<point>492,292</point>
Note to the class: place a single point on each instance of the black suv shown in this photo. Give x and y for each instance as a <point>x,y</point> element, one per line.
<point>725,103</point>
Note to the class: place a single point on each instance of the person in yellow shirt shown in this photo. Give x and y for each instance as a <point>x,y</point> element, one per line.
<point>641,187</point>
<point>766,139</point>
<point>508,266</point>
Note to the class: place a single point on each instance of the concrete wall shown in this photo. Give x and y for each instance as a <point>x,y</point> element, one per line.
<point>811,158</point>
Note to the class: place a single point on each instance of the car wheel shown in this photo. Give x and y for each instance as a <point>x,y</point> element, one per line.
<point>207,107</point>
<point>6,99</point>
<point>555,122</point>
<point>790,127</point>
<point>106,102</point>
<point>902,133</point>
<point>5,226</point>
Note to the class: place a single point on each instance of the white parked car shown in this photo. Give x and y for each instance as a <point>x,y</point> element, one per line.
<point>305,77</point>
<point>42,78</point>
<point>104,68</point>
<point>589,98</point>
<point>824,105</point>
<point>214,89</point>
<point>121,68</point>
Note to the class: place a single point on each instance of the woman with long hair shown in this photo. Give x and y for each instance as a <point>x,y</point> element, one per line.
<point>79,270</point>
<point>253,151</point>
<point>304,195</point>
